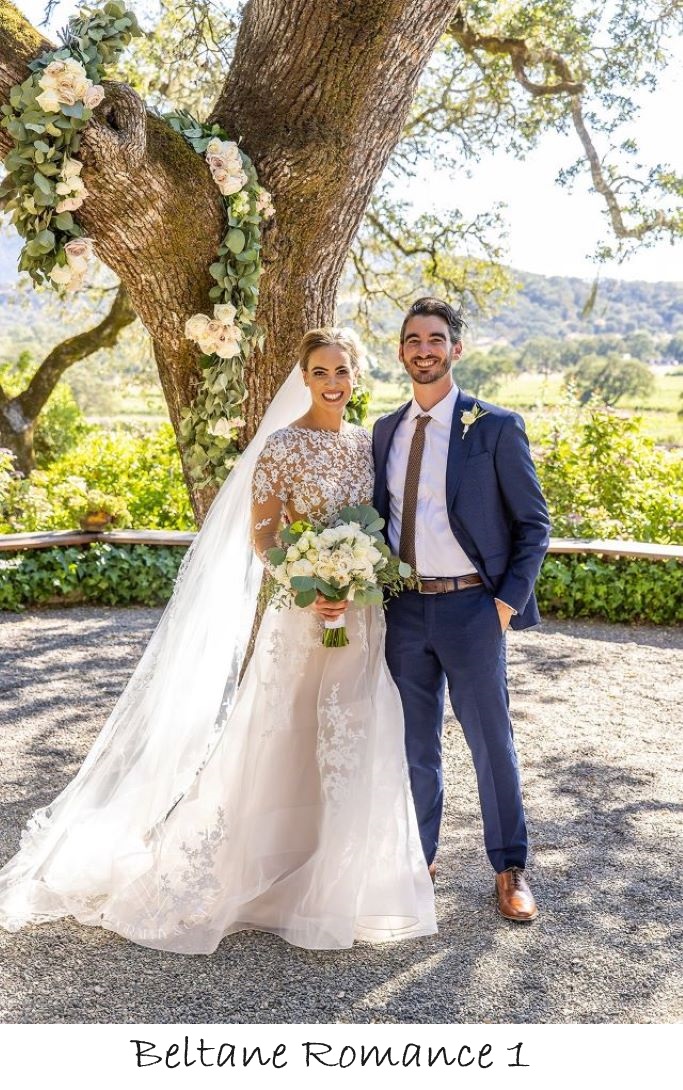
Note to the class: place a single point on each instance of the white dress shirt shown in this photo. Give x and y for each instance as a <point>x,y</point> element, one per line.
<point>437,553</point>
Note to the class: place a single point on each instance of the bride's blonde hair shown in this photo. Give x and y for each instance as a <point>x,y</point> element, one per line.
<point>327,336</point>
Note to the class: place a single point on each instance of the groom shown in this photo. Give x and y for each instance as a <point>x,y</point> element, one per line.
<point>456,485</point>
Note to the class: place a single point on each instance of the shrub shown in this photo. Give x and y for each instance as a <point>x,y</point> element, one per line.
<point>602,478</point>
<point>620,589</point>
<point>112,575</point>
<point>142,470</point>
<point>120,575</point>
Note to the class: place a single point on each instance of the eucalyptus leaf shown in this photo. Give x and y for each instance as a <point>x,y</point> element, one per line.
<point>306,598</point>
<point>64,221</point>
<point>236,240</point>
<point>302,582</point>
<point>42,183</point>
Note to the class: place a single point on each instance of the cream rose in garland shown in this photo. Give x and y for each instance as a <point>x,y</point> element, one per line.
<point>66,83</point>
<point>225,164</point>
<point>71,188</point>
<point>71,274</point>
<point>219,335</point>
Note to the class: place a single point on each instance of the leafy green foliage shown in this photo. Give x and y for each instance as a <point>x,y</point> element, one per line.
<point>112,575</point>
<point>44,139</point>
<point>603,479</point>
<point>609,379</point>
<point>142,471</point>
<point>626,591</point>
<point>356,410</point>
<point>482,373</point>
<point>619,590</point>
<point>60,425</point>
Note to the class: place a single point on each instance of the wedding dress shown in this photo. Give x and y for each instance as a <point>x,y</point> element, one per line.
<point>279,804</point>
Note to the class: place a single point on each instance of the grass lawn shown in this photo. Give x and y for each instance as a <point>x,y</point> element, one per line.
<point>530,394</point>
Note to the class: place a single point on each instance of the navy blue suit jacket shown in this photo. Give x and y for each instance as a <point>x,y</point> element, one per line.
<point>496,508</point>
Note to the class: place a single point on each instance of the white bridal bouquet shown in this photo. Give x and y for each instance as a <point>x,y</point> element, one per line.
<point>347,560</point>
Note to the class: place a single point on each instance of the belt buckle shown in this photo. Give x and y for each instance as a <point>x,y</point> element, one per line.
<point>422,583</point>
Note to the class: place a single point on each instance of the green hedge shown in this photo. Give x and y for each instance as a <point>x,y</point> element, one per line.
<point>112,575</point>
<point>570,586</point>
<point>623,589</point>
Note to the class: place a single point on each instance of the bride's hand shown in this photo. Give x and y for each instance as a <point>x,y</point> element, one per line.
<point>327,609</point>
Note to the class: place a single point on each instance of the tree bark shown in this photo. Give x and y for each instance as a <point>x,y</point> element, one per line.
<point>18,414</point>
<point>318,95</point>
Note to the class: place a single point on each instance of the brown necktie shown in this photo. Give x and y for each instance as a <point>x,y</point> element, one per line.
<point>406,549</point>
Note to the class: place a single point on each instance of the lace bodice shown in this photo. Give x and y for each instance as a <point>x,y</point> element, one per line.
<point>305,473</point>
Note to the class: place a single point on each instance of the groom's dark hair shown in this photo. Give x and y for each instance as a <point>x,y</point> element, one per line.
<point>429,306</point>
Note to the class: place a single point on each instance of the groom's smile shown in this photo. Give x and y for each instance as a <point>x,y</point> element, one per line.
<point>427,351</point>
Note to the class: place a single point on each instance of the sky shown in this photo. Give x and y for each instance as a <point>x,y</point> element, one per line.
<point>551,231</point>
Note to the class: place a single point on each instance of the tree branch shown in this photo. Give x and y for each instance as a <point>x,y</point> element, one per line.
<point>104,335</point>
<point>521,57</point>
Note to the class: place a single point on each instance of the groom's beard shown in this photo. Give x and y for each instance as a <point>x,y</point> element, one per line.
<point>423,376</point>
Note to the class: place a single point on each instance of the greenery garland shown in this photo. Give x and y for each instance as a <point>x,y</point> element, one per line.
<point>45,117</point>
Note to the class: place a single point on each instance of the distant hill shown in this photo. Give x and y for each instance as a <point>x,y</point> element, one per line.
<point>551,306</point>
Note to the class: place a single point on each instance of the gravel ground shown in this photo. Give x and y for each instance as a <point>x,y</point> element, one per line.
<point>594,707</point>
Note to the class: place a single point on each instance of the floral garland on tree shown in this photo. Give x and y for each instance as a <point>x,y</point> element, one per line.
<point>45,117</point>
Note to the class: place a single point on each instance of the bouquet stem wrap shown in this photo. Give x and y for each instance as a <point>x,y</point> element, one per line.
<point>335,633</point>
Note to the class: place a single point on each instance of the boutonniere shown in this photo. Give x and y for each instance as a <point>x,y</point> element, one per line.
<point>470,416</point>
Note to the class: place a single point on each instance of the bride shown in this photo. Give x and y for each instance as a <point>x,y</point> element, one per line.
<point>279,802</point>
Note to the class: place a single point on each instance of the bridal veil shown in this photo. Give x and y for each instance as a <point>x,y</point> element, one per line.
<point>169,717</point>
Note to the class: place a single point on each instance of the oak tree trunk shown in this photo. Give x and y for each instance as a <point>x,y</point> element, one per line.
<point>317,94</point>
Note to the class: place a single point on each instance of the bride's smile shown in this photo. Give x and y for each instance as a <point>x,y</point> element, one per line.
<point>329,376</point>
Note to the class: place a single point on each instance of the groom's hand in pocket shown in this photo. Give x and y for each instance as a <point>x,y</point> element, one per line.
<point>504,614</point>
<point>327,609</point>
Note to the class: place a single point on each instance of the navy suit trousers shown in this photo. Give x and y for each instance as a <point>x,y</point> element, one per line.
<point>456,638</point>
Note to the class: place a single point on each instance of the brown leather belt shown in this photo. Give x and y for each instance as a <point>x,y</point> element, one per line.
<point>445,586</point>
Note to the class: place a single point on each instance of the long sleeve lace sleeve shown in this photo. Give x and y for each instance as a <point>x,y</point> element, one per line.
<point>269,497</point>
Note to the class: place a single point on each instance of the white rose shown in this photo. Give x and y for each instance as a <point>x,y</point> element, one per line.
<point>264,204</point>
<point>225,312</point>
<point>71,168</point>
<point>221,427</point>
<point>195,326</point>
<point>69,204</point>
<point>48,102</point>
<point>66,79</point>
<point>225,150</point>
<point>293,553</point>
<point>93,96</point>
<point>79,250</point>
<point>229,182</point>
<point>61,274</point>
<point>301,567</point>
<point>325,571</point>
<point>227,343</point>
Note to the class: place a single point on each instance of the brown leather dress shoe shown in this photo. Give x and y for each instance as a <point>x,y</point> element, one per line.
<point>515,899</point>
<point>432,872</point>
